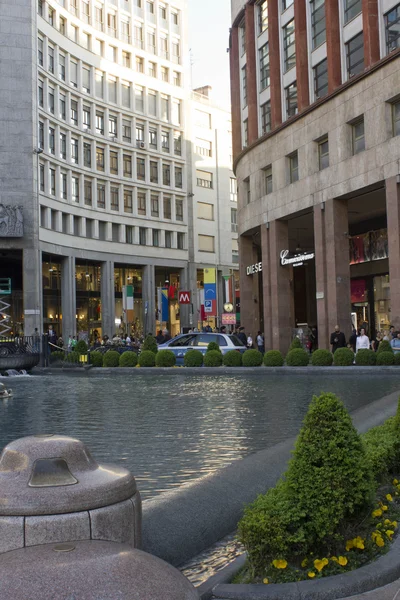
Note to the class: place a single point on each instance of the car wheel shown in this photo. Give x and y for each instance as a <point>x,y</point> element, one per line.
<point>4,351</point>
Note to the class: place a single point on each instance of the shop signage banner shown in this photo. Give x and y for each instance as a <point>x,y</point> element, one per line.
<point>127,302</point>
<point>164,305</point>
<point>295,260</point>
<point>256,268</point>
<point>369,246</point>
<point>210,291</point>
<point>228,319</point>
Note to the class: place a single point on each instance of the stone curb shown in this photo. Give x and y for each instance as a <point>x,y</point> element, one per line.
<point>96,371</point>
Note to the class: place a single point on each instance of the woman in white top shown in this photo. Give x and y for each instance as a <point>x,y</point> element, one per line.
<point>362,340</point>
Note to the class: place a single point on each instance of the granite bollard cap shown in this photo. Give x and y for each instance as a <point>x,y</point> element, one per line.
<point>90,570</point>
<point>53,474</point>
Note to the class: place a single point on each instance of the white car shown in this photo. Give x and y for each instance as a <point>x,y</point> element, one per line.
<point>199,341</point>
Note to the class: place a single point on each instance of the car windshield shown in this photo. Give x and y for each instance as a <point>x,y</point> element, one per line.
<point>235,340</point>
<point>184,340</point>
<point>203,339</point>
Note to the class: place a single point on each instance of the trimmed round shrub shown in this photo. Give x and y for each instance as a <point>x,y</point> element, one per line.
<point>384,346</point>
<point>96,359</point>
<point>147,358</point>
<point>297,358</point>
<point>150,343</point>
<point>343,357</point>
<point>111,358</point>
<point>252,358</point>
<point>296,343</point>
<point>213,346</point>
<point>385,358</point>
<point>397,358</point>
<point>56,356</point>
<point>72,357</point>
<point>232,358</point>
<point>273,358</point>
<point>128,359</point>
<point>193,358</point>
<point>213,358</point>
<point>365,357</point>
<point>165,358</point>
<point>321,358</point>
<point>81,347</point>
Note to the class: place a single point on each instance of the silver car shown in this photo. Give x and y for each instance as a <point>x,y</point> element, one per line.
<point>199,341</point>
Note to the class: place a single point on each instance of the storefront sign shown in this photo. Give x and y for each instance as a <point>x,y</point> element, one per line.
<point>250,270</point>
<point>297,260</point>
<point>184,297</point>
<point>228,319</point>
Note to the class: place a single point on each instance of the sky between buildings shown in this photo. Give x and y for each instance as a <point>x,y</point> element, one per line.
<point>209,22</point>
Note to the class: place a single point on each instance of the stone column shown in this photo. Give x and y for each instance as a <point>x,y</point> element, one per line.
<point>107,298</point>
<point>32,286</point>
<point>249,296</point>
<point>281,287</point>
<point>266,287</point>
<point>68,296</point>
<point>274,63</point>
<point>333,44</point>
<point>300,19</point>
<point>320,277</point>
<point>251,72</point>
<point>235,92</point>
<point>149,297</point>
<point>370,17</point>
<point>393,227</point>
<point>184,309</point>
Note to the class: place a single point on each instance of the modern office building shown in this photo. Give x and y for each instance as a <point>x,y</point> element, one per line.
<point>316,123</point>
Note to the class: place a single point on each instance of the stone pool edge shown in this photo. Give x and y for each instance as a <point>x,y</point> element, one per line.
<point>94,371</point>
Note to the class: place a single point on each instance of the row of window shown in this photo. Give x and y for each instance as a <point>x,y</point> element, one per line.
<point>80,227</point>
<point>205,212</point>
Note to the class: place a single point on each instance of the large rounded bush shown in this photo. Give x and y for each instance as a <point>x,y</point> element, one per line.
<point>72,357</point>
<point>213,358</point>
<point>321,358</point>
<point>384,346</point>
<point>273,358</point>
<point>193,358</point>
<point>111,359</point>
<point>96,359</point>
<point>150,343</point>
<point>397,358</point>
<point>128,359</point>
<point>385,358</point>
<point>232,358</point>
<point>365,357</point>
<point>147,358</point>
<point>297,358</point>
<point>252,358</point>
<point>165,358</point>
<point>213,346</point>
<point>81,347</point>
<point>296,343</point>
<point>343,357</point>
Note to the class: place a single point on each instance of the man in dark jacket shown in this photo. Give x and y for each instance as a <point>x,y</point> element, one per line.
<point>338,339</point>
<point>242,336</point>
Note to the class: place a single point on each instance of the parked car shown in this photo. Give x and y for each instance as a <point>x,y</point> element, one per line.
<point>10,346</point>
<point>199,341</point>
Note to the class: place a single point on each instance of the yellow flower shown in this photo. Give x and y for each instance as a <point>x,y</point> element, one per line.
<point>311,574</point>
<point>342,561</point>
<point>395,482</point>
<point>394,524</point>
<point>389,498</point>
<point>376,513</point>
<point>320,564</point>
<point>384,507</point>
<point>304,562</point>
<point>358,542</point>
<point>350,544</point>
<point>266,580</point>
<point>375,534</point>
<point>379,541</point>
<point>389,533</point>
<point>279,563</point>
<point>386,522</point>
<point>334,558</point>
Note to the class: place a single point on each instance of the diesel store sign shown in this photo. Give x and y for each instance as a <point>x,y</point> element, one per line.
<point>254,269</point>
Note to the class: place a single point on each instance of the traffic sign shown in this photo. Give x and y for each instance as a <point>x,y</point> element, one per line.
<point>208,306</point>
<point>184,297</point>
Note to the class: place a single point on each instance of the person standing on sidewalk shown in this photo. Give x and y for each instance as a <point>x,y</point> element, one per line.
<point>338,339</point>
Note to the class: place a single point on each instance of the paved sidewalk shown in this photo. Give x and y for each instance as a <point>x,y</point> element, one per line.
<point>388,592</point>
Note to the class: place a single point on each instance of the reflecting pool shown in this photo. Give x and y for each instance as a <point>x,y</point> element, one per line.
<point>170,429</point>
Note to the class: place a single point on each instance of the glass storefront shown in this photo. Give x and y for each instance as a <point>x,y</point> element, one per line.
<point>167,305</point>
<point>88,301</point>
<point>123,276</point>
<point>52,311</point>
<point>370,303</point>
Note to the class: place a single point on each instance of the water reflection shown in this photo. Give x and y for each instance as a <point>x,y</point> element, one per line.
<point>177,427</point>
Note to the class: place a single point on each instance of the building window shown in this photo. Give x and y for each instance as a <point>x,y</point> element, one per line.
<point>129,234</point>
<point>291,99</point>
<point>86,117</point>
<point>178,177</point>
<point>86,79</point>
<point>206,243</point>
<point>73,73</point>
<point>153,171</point>
<point>204,179</point>
<point>165,141</point>
<point>263,16</point>
<point>179,209</point>
<point>63,146</point>
<point>323,154</point>
<point>164,73</point>
<point>265,117</point>
<point>396,118</point>
<point>100,123</point>
<point>321,79</point>
<point>101,195</point>
<point>52,148</point>
<point>289,48</point>
<point>128,204</point>
<point>286,4</point>
<point>74,112</point>
<point>156,237</point>
<point>233,189</point>
<point>244,84</point>
<point>114,163</point>
<point>114,197</point>
<point>74,151</point>
<point>168,239</point>
<point>151,41</point>
<point>392,29</point>
<point>268,179</point>
<point>127,162</point>
<point>235,251</point>
<point>53,182</point>
<point>247,190</point>
<point>87,155</point>
<point>126,60</point>
<point>152,103</point>
<point>355,55</point>
<point>167,208</point>
<point>51,100</point>
<point>153,138</point>
<point>233,220</point>
<point>126,131</point>
<point>139,64</point>
<point>138,33</point>
<point>142,236</point>
<point>176,52</point>
<point>242,38</point>
<point>62,25</point>
<point>140,169</point>
<point>126,94</point>
<point>152,69</point>
<point>139,99</point>
<point>293,167</point>
<point>40,93</point>
<point>75,189</point>
<point>205,211</point>
<point>245,133</point>
<point>352,8</point>
<point>40,52</point>
<point>63,109</point>
<point>41,177</point>
<point>141,203</point>
<point>176,79</point>
<point>139,131</point>
<point>177,144</point>
<point>87,190</point>
<point>100,159</point>
<point>358,136</point>
<point>164,108</point>
<point>166,174</point>
<point>63,185</point>
<point>112,126</point>
<point>180,241</point>
<point>41,135</point>
<point>264,66</point>
<point>155,205</point>
<point>61,67</point>
<point>203,147</point>
<point>125,31</point>
<point>50,64</point>
<point>318,22</point>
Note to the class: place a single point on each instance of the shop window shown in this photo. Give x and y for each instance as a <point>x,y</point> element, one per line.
<point>293,167</point>
<point>323,154</point>
<point>358,136</point>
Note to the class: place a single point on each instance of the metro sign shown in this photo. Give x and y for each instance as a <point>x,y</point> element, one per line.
<point>184,297</point>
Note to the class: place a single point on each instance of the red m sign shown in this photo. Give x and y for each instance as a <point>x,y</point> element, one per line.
<point>184,297</point>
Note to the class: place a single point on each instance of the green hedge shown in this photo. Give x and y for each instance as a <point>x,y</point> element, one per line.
<point>295,344</point>
<point>384,346</point>
<point>343,357</point>
<point>273,358</point>
<point>193,358</point>
<point>128,359</point>
<point>96,359</point>
<point>72,357</point>
<point>111,358</point>
<point>213,358</point>
<point>213,346</point>
<point>147,358</point>
<point>380,445</point>
<point>365,357</point>
<point>232,358</point>
<point>165,358</point>
<point>81,347</point>
<point>57,355</point>
<point>385,358</point>
<point>297,358</point>
<point>252,358</point>
<point>397,358</point>
<point>321,358</point>
<point>150,343</point>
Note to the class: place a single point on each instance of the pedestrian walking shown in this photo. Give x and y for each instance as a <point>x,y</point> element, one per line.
<point>260,342</point>
<point>362,341</point>
<point>242,336</point>
<point>338,339</point>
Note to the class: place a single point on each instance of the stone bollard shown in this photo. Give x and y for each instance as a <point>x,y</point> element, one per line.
<point>52,490</point>
<point>92,570</point>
